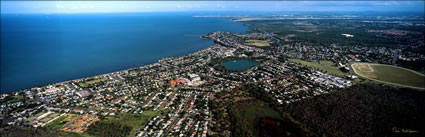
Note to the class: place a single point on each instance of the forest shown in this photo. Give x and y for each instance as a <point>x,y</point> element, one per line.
<point>327,31</point>
<point>106,129</point>
<point>364,110</point>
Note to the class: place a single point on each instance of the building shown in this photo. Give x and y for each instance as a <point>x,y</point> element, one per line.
<point>83,93</point>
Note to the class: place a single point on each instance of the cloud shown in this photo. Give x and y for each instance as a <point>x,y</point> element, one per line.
<point>189,6</point>
<point>220,6</point>
<point>60,6</point>
<point>142,6</point>
<point>391,3</point>
<point>387,3</point>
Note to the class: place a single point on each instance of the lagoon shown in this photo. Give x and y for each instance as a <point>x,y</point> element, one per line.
<point>240,64</point>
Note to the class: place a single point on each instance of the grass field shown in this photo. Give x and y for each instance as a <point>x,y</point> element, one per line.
<point>389,74</point>
<point>258,43</point>
<point>134,121</point>
<point>87,83</point>
<point>71,117</point>
<point>327,66</point>
<point>56,125</point>
<point>31,118</point>
<point>51,116</point>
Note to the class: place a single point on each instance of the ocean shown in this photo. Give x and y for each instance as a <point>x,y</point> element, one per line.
<point>40,49</point>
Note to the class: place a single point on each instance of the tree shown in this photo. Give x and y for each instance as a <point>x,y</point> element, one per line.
<point>106,129</point>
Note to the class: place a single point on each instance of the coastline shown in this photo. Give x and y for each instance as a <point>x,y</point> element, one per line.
<point>94,76</point>
<point>64,56</point>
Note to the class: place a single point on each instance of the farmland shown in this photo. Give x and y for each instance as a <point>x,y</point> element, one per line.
<point>390,74</point>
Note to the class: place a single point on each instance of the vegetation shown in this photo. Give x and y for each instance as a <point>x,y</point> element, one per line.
<point>18,98</point>
<point>221,105</point>
<point>245,117</point>
<point>239,113</point>
<point>35,116</point>
<point>326,32</point>
<point>362,111</point>
<point>391,74</point>
<point>106,129</point>
<point>51,116</point>
<point>119,126</point>
<point>57,124</point>
<point>417,65</point>
<point>259,43</point>
<point>24,132</point>
<point>124,121</point>
<point>324,66</point>
<point>91,82</point>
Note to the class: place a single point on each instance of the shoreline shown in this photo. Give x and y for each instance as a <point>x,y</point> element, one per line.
<point>92,76</point>
<point>143,46</point>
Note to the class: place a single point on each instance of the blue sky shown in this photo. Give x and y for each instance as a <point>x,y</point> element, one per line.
<point>152,6</point>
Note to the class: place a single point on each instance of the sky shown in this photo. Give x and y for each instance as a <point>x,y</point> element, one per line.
<point>50,7</point>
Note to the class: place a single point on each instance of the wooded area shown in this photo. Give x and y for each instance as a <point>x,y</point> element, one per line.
<point>363,111</point>
<point>104,129</point>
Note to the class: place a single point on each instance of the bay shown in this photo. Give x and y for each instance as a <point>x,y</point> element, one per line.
<point>40,49</point>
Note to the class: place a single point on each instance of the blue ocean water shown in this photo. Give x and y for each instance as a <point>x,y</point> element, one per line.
<point>39,49</point>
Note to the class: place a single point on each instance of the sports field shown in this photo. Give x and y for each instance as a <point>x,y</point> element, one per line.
<point>390,74</point>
